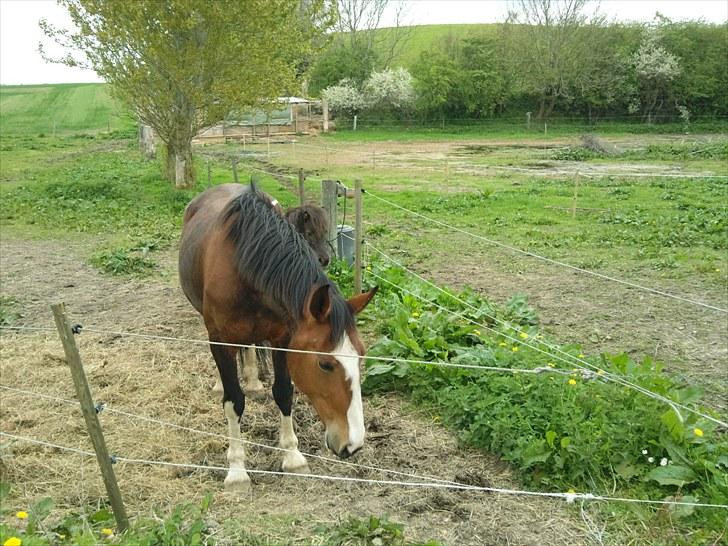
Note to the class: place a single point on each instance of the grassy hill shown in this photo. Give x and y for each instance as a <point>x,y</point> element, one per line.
<point>59,108</point>
<point>428,37</point>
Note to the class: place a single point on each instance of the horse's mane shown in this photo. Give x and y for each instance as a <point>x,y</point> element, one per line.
<point>276,260</point>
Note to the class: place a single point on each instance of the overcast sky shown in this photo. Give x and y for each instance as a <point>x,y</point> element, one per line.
<point>19,32</point>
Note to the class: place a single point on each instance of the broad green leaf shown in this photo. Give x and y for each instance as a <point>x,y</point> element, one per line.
<point>674,474</point>
<point>550,437</point>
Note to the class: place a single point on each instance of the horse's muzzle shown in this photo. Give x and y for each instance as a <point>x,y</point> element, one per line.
<point>345,453</point>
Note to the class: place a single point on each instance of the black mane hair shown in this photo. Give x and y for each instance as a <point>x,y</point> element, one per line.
<point>277,261</point>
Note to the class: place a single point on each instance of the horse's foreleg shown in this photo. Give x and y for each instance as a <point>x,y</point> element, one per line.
<point>250,371</point>
<point>233,403</point>
<point>293,460</point>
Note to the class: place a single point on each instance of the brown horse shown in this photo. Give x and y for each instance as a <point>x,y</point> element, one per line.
<point>254,278</point>
<point>312,222</point>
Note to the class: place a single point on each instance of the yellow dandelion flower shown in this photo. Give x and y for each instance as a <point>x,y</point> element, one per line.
<point>572,381</point>
<point>22,515</point>
<point>539,336</point>
<point>106,531</point>
<point>717,270</point>
<point>581,355</point>
<point>600,372</point>
<point>415,314</point>
<point>476,332</point>
<point>502,344</point>
<point>551,365</point>
<point>523,335</point>
<point>698,432</point>
<point>514,349</point>
<point>369,268</point>
<point>13,541</point>
<point>571,491</point>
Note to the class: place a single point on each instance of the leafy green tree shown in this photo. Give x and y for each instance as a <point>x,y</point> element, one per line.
<point>484,79</point>
<point>182,65</point>
<point>341,61</point>
<point>702,53</point>
<point>547,40</point>
<point>436,78</point>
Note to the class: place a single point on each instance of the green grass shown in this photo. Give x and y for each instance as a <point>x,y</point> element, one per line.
<point>503,128</point>
<point>185,524</point>
<point>97,187</point>
<point>59,109</point>
<point>558,431</point>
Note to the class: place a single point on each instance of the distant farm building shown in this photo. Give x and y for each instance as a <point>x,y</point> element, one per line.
<point>290,116</point>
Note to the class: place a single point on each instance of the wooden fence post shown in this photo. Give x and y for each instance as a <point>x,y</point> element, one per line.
<point>328,202</point>
<point>576,192</point>
<point>325,106</point>
<point>358,236</point>
<point>301,187</point>
<point>89,414</point>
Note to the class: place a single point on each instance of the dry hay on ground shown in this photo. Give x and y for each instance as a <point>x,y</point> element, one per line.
<point>172,381</point>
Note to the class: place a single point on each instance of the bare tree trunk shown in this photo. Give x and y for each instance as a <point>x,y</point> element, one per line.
<point>180,168</point>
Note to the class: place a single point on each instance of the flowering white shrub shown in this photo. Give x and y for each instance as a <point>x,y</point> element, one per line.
<point>389,90</point>
<point>344,98</point>
<point>653,62</point>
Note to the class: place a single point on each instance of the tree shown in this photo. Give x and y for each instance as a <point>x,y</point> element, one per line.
<point>547,39</point>
<point>484,83</point>
<point>656,69</point>
<point>436,77</point>
<point>182,65</point>
<point>389,91</point>
<point>359,45</point>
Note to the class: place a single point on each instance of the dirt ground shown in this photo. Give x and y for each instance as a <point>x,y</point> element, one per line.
<point>171,381</point>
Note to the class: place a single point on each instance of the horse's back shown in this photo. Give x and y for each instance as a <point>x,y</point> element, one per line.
<point>200,226</point>
<point>203,238</point>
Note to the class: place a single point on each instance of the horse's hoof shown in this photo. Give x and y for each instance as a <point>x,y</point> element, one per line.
<point>295,463</point>
<point>237,483</point>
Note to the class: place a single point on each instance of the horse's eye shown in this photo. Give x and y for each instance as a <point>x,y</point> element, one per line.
<point>328,367</point>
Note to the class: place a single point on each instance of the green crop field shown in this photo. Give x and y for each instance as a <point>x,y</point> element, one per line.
<point>59,109</point>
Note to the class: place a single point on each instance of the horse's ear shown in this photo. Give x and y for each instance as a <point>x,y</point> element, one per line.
<point>318,303</point>
<point>358,303</point>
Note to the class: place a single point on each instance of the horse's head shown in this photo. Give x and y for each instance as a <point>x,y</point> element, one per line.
<point>311,222</point>
<point>331,381</point>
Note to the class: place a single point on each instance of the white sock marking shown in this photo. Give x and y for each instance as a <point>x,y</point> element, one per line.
<point>236,451</point>
<point>293,460</point>
<point>250,370</point>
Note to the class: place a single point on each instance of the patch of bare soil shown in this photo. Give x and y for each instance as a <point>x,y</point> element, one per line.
<point>171,381</point>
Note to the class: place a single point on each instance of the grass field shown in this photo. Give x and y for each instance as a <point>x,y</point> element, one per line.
<point>59,109</point>
<point>665,228</point>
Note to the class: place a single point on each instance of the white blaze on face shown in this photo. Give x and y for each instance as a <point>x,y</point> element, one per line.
<point>349,358</point>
